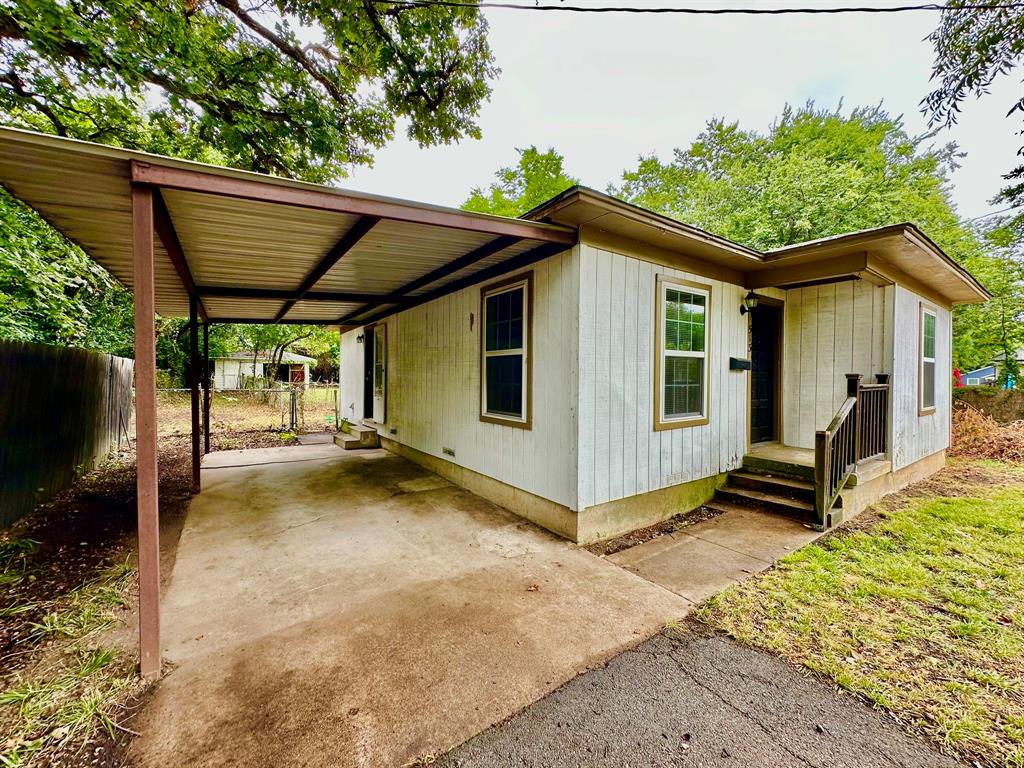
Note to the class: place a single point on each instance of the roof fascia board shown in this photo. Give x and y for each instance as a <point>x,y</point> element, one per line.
<point>895,276</point>
<point>326,198</point>
<point>595,237</point>
<point>640,215</point>
<point>819,269</point>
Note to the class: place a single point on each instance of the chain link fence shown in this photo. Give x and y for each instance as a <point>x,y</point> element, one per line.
<point>309,408</point>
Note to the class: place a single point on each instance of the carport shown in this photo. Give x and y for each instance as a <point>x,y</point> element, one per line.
<point>221,245</point>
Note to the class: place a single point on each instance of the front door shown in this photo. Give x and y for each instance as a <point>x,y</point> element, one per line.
<point>380,372</point>
<point>765,326</point>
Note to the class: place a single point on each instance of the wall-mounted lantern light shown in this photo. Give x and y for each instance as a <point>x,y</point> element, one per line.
<point>359,339</point>
<point>749,303</point>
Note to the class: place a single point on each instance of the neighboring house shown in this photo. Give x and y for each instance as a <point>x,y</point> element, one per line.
<point>986,375</point>
<point>625,380</point>
<point>235,370</point>
<point>989,374</point>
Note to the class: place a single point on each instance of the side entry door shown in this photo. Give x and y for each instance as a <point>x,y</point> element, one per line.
<point>380,372</point>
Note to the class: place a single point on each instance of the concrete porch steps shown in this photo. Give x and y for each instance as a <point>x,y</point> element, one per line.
<point>357,436</point>
<point>769,485</point>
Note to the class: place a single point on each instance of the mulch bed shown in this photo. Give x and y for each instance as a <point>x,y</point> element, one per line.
<point>672,525</point>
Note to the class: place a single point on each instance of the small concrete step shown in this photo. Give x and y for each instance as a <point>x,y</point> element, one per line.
<point>365,434</point>
<point>766,500</point>
<point>783,486</point>
<point>761,466</point>
<point>349,442</point>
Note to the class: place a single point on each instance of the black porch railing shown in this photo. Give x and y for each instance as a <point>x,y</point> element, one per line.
<point>859,431</point>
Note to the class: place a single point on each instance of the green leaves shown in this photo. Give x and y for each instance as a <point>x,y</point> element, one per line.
<point>537,178</point>
<point>302,89</point>
<point>817,173</point>
<point>973,47</point>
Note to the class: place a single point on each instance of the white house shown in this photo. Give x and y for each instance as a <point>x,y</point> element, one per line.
<point>234,370</point>
<point>654,367</point>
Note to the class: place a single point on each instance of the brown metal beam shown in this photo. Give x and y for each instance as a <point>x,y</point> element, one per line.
<point>193,385</point>
<point>206,388</point>
<point>268,321</point>
<point>398,295</point>
<point>522,260</point>
<point>347,242</point>
<point>169,238</point>
<point>145,431</point>
<point>326,199</point>
<point>228,292</point>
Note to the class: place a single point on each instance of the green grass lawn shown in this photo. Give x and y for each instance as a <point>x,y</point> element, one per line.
<point>921,612</point>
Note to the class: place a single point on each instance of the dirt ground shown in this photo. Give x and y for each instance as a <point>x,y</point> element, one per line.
<point>71,541</point>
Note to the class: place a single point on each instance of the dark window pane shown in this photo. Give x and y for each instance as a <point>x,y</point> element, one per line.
<point>928,385</point>
<point>505,385</point>
<point>683,387</point>
<point>929,336</point>
<point>504,320</point>
<point>515,335</point>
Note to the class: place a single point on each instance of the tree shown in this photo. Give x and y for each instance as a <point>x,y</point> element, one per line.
<point>275,340</point>
<point>52,293</point>
<point>817,173</point>
<point>972,48</point>
<point>536,178</point>
<point>300,88</point>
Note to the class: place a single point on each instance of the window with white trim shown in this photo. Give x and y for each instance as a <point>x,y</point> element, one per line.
<point>683,342</point>
<point>505,395</point>
<point>927,388</point>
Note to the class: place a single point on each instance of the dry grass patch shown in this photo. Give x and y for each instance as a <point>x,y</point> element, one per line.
<point>922,613</point>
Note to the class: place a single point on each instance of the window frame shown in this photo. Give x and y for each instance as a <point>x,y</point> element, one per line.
<point>662,284</point>
<point>522,280</point>
<point>927,310</point>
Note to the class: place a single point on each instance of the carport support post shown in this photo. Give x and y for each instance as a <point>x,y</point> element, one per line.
<point>206,388</point>
<point>145,431</point>
<point>193,370</point>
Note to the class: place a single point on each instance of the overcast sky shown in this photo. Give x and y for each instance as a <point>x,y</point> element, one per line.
<point>604,88</point>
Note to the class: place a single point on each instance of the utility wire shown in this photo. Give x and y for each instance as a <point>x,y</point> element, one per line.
<point>698,11</point>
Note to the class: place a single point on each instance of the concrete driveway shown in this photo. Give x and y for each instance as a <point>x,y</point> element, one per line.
<point>333,608</point>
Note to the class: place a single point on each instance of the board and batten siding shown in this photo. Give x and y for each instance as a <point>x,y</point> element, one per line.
<point>433,384</point>
<point>916,436</point>
<point>620,453</point>
<point>829,331</point>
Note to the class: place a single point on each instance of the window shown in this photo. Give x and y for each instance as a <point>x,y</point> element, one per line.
<point>683,339</point>
<point>505,367</point>
<point>927,374</point>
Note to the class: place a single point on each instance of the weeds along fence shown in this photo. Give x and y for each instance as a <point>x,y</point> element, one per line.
<point>308,408</point>
<point>61,411</point>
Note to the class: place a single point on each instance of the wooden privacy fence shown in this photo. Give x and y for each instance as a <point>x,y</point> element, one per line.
<point>61,410</point>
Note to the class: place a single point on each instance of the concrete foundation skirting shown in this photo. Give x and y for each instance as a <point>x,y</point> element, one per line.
<point>557,518</point>
<point>614,518</point>
<point>862,495</point>
<point>592,524</point>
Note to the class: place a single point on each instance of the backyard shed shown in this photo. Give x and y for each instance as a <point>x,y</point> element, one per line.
<point>593,366</point>
<point>236,370</point>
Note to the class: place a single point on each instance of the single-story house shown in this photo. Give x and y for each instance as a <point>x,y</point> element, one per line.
<point>654,366</point>
<point>233,370</point>
<point>591,366</point>
<point>984,375</point>
<point>989,374</point>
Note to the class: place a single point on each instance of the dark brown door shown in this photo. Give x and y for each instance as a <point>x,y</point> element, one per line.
<point>764,361</point>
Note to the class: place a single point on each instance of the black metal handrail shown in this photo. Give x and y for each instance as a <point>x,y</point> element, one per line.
<point>858,431</point>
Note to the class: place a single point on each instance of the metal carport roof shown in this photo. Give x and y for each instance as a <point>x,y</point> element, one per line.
<point>258,248</point>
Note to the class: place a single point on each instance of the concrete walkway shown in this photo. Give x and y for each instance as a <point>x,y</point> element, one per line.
<point>697,701</point>
<point>703,559</point>
<point>341,608</point>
